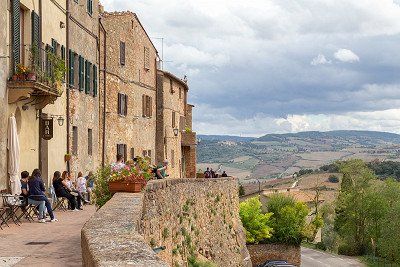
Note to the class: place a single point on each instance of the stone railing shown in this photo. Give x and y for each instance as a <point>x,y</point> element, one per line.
<point>183,216</point>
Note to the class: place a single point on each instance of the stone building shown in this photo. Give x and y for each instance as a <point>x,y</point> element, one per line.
<point>83,81</point>
<point>129,102</point>
<point>35,39</point>
<point>175,139</point>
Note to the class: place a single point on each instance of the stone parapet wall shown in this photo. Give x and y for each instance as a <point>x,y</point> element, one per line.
<point>186,216</point>
<point>263,252</point>
<point>110,237</point>
<point>195,216</point>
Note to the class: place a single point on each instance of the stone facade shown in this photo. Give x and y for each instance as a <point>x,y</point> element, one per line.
<point>83,29</point>
<point>199,216</point>
<point>263,252</point>
<point>135,79</point>
<point>173,120</point>
<point>21,99</point>
<point>181,214</point>
<point>4,62</point>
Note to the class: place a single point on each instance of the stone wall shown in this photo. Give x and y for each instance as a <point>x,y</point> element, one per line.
<point>183,215</point>
<point>199,216</point>
<point>84,108</point>
<point>262,252</point>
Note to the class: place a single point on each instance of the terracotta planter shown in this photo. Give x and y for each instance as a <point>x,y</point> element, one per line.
<point>21,77</point>
<point>67,158</point>
<point>31,77</point>
<point>14,77</point>
<point>122,186</point>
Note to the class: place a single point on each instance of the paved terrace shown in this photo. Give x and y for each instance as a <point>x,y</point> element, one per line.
<point>64,237</point>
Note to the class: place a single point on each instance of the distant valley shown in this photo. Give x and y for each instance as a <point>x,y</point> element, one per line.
<point>280,155</point>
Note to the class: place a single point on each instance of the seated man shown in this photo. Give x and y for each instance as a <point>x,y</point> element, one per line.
<point>61,190</point>
<point>161,171</point>
<point>39,204</point>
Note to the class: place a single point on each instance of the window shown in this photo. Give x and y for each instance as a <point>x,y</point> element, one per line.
<point>94,80</point>
<point>171,87</point>
<point>75,140</point>
<point>122,104</point>
<point>146,58</point>
<point>81,73</point>
<point>172,158</point>
<point>88,82</point>
<point>132,153</point>
<point>173,119</point>
<point>147,106</point>
<point>121,150</point>
<point>90,7</point>
<point>149,153</point>
<point>122,53</point>
<point>90,142</point>
<point>144,153</point>
<point>180,93</point>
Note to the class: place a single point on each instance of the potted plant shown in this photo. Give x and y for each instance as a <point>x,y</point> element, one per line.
<point>131,178</point>
<point>21,72</point>
<point>67,157</point>
<point>31,76</point>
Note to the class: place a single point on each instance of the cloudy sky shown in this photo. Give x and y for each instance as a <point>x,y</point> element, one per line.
<point>275,66</point>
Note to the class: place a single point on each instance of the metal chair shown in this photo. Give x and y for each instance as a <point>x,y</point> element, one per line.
<point>3,217</point>
<point>13,203</point>
<point>58,202</point>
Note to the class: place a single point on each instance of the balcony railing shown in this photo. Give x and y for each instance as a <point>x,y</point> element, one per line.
<point>39,74</point>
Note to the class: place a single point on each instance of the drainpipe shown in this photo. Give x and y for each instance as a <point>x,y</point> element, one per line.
<point>68,81</point>
<point>103,152</point>
<point>40,111</point>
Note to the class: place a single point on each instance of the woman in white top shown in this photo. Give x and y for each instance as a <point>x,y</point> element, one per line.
<point>81,184</point>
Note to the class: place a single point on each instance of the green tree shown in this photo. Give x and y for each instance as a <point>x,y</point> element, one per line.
<point>255,222</point>
<point>288,220</point>
<point>354,206</point>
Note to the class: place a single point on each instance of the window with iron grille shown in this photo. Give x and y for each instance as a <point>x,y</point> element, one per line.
<point>90,142</point>
<point>147,106</point>
<point>122,104</point>
<point>90,7</point>
<point>121,150</point>
<point>75,140</point>
<point>122,53</point>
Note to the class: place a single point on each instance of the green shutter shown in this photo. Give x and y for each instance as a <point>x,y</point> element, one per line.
<point>16,42</point>
<point>63,52</point>
<point>35,40</point>
<point>54,45</point>
<point>81,73</point>
<point>94,80</point>
<point>71,70</point>
<point>87,77</point>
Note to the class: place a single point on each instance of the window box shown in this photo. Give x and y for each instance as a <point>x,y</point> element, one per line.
<point>123,186</point>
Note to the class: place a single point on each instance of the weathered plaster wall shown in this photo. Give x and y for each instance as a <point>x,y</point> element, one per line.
<point>195,215</point>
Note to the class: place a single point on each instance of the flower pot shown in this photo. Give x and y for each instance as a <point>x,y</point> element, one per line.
<point>67,158</point>
<point>14,77</point>
<point>31,76</point>
<point>123,186</point>
<point>21,77</point>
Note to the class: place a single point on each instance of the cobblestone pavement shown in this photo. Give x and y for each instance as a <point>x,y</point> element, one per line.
<point>57,244</point>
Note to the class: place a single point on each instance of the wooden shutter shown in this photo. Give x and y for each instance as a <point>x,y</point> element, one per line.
<point>151,106</point>
<point>16,42</point>
<point>132,153</point>
<point>144,105</point>
<point>63,52</point>
<point>87,77</point>
<point>173,119</point>
<point>122,53</point>
<point>81,73</point>
<point>35,30</point>
<point>94,80</point>
<point>119,104</point>
<point>126,105</point>
<point>71,70</point>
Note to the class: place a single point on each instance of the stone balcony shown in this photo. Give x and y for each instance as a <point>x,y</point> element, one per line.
<point>189,139</point>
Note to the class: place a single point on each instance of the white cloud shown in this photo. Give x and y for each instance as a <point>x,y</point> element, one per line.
<point>320,60</point>
<point>346,55</point>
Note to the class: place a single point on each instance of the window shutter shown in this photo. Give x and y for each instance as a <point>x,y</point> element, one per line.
<point>119,104</point>
<point>87,77</point>
<point>35,30</point>
<point>81,73</point>
<point>16,42</point>
<point>94,80</point>
<point>132,153</point>
<point>122,52</point>
<point>63,52</point>
<point>71,68</point>
<point>144,105</point>
<point>150,106</point>
<point>126,105</point>
<point>54,46</point>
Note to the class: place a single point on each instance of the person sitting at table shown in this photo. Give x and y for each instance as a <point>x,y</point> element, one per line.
<point>37,192</point>
<point>24,193</point>
<point>61,189</point>
<point>66,176</point>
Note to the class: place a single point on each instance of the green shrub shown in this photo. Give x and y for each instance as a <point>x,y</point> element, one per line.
<point>255,222</point>
<point>241,191</point>
<point>320,246</point>
<point>101,191</point>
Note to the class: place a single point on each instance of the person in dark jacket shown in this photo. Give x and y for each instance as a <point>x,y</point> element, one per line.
<point>60,187</point>
<point>37,192</point>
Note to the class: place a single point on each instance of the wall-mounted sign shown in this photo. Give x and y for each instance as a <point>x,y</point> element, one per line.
<point>47,128</point>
